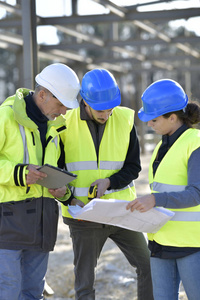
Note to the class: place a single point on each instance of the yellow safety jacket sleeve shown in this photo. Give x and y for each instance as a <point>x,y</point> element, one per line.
<point>65,199</point>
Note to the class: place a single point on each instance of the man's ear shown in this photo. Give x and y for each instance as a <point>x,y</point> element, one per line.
<point>42,96</point>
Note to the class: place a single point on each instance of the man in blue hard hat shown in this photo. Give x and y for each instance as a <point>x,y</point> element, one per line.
<point>102,148</point>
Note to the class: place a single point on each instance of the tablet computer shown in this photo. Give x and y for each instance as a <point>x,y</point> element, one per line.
<point>56,177</point>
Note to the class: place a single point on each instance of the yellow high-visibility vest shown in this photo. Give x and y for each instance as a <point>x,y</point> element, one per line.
<point>81,157</point>
<point>171,176</point>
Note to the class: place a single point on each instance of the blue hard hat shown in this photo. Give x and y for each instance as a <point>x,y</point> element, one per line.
<point>100,90</point>
<point>161,97</point>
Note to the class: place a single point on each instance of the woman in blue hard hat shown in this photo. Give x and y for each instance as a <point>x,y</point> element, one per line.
<point>174,179</point>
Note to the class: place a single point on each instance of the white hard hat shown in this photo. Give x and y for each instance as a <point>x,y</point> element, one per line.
<point>62,82</point>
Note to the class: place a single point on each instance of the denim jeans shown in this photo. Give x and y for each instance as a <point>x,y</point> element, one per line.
<point>167,274</point>
<point>22,274</point>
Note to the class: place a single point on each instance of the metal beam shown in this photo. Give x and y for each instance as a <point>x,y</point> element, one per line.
<point>74,4</point>
<point>167,15</point>
<point>8,46</point>
<point>128,52</point>
<point>12,38</point>
<point>192,40</point>
<point>30,62</point>
<point>138,69</point>
<point>80,35</point>
<point>109,66</point>
<point>151,28</point>
<point>175,60</point>
<point>164,16</point>
<point>13,9</point>
<point>70,55</point>
<point>131,7</point>
<point>10,23</point>
<point>115,9</point>
<point>51,57</point>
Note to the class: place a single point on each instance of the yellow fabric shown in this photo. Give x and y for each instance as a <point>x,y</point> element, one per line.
<point>12,112</point>
<point>79,147</point>
<point>173,171</point>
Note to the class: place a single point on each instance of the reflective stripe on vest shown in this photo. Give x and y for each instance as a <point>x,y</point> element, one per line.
<point>163,187</point>
<point>179,215</point>
<point>92,165</point>
<point>83,192</point>
<point>186,216</point>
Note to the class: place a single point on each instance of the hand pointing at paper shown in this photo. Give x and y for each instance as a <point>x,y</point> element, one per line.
<point>142,204</point>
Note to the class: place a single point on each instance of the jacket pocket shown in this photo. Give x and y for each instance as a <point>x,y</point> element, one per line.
<point>50,223</point>
<point>20,223</point>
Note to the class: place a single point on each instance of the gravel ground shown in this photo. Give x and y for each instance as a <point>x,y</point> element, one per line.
<point>115,278</point>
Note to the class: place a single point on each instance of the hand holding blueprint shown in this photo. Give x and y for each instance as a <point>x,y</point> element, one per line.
<point>113,212</point>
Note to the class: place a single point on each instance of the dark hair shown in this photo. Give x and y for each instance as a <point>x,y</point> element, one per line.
<point>190,115</point>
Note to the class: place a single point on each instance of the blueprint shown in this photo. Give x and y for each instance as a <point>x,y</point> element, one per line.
<point>113,212</point>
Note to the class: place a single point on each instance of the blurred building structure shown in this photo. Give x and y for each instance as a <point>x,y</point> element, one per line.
<point>137,46</point>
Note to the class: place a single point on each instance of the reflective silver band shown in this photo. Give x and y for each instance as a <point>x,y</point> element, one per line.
<point>162,187</point>
<point>92,165</point>
<point>81,165</point>
<point>83,192</point>
<point>26,155</point>
<point>111,165</point>
<point>186,216</point>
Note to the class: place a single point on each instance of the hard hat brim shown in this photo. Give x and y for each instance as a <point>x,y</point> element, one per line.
<point>69,104</point>
<point>104,105</point>
<point>150,116</point>
<point>146,117</point>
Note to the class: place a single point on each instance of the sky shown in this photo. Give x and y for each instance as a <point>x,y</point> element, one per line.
<point>48,8</point>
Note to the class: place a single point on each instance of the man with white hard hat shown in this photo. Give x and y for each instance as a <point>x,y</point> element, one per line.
<point>31,124</point>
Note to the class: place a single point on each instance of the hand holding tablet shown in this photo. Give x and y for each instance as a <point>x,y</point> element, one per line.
<point>56,177</point>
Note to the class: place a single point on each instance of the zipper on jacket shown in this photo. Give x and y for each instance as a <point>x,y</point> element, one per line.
<point>33,138</point>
